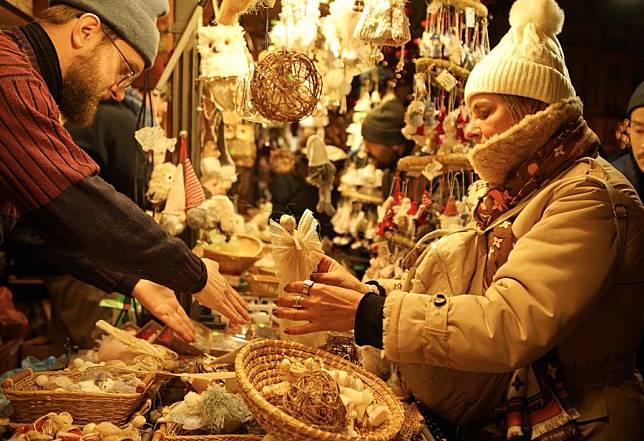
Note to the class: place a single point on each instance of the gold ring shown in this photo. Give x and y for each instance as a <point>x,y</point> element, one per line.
<point>296,302</point>
<point>308,284</point>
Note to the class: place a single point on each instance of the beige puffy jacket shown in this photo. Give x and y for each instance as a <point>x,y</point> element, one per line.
<point>565,286</point>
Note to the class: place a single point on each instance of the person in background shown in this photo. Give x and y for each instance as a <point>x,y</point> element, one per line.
<point>384,142</point>
<point>79,53</point>
<point>631,162</point>
<point>554,312</point>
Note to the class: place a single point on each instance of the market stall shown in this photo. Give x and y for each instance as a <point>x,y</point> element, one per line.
<point>292,132</point>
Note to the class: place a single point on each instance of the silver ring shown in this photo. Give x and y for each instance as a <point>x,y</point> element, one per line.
<point>308,284</point>
<point>296,302</point>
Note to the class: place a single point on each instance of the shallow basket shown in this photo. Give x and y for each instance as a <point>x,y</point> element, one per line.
<point>30,402</point>
<point>256,366</point>
<point>262,285</point>
<point>237,264</point>
<point>174,432</point>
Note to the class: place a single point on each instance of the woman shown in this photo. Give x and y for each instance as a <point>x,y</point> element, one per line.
<point>558,308</point>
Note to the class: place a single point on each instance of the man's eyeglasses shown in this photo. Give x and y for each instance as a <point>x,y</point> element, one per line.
<point>129,78</point>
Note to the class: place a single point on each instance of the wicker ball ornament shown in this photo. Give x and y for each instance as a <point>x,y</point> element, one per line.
<point>286,86</point>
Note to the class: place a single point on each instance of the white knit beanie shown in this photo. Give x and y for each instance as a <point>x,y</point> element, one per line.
<point>528,61</point>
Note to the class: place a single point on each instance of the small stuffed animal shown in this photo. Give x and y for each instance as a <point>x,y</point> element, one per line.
<point>321,173</point>
<point>223,51</point>
<point>160,182</point>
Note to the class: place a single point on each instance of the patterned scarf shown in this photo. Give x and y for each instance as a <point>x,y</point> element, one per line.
<point>537,405</point>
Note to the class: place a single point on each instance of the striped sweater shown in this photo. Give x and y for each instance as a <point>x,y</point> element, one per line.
<point>51,184</point>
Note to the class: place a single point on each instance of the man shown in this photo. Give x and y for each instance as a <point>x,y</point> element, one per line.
<point>381,129</point>
<point>631,164</point>
<point>80,53</point>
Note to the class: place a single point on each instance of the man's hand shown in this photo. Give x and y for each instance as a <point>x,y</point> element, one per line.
<point>163,304</point>
<point>330,272</point>
<point>219,296</point>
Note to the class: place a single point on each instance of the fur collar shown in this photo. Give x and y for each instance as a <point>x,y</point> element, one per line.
<point>502,153</point>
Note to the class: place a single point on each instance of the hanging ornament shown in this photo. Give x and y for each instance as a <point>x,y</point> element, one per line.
<point>384,23</point>
<point>321,173</point>
<point>173,217</point>
<point>286,86</point>
<point>154,139</point>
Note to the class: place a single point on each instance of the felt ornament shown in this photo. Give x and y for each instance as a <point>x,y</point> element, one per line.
<point>217,178</point>
<point>297,27</point>
<point>384,23</point>
<point>321,173</point>
<point>223,51</point>
<point>173,217</point>
<point>342,217</point>
<point>154,139</point>
<point>258,225</point>
<point>195,215</point>
<point>160,183</point>
<point>450,217</point>
<point>224,58</point>
<point>414,120</point>
<point>338,28</point>
<point>230,10</point>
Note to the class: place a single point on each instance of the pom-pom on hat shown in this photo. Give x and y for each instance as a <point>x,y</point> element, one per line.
<point>528,61</point>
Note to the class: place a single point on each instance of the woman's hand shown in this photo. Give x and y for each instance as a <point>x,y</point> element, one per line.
<point>219,296</point>
<point>326,308</point>
<point>330,272</point>
<point>163,304</point>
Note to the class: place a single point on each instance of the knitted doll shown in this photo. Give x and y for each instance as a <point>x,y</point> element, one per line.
<point>321,173</point>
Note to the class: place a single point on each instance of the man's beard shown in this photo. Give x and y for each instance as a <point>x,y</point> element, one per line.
<point>82,91</point>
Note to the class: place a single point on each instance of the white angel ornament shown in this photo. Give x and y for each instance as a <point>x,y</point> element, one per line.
<point>296,251</point>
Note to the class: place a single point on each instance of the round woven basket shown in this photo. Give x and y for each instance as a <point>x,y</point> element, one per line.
<point>249,252</point>
<point>256,366</point>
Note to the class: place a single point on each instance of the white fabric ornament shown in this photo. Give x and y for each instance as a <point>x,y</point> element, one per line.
<point>154,139</point>
<point>297,253</point>
<point>173,218</point>
<point>384,22</point>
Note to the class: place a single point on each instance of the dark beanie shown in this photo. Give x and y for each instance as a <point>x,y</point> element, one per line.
<point>383,124</point>
<point>637,100</point>
<point>135,21</point>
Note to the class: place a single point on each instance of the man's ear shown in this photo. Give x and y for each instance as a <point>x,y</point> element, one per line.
<point>86,31</point>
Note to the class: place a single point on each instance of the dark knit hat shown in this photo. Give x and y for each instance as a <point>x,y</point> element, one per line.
<point>637,99</point>
<point>384,123</point>
<point>135,21</point>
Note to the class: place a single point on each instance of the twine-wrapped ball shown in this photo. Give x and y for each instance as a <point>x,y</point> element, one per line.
<point>315,400</point>
<point>286,86</point>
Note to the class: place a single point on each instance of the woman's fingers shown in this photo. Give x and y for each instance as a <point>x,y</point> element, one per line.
<point>304,329</point>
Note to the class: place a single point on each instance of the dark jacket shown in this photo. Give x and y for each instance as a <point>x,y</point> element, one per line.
<point>51,184</point>
<point>626,164</point>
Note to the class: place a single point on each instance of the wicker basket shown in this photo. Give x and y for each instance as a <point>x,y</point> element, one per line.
<point>30,402</point>
<point>174,432</point>
<point>261,285</point>
<point>234,263</point>
<point>256,366</point>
